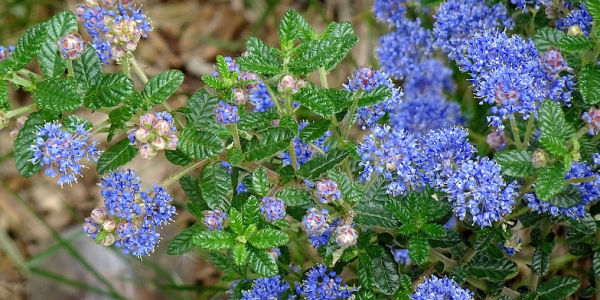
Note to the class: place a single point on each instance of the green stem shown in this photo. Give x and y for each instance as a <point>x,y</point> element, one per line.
<point>448,263</point>
<point>532,22</point>
<point>351,112</point>
<point>236,136</point>
<point>348,170</point>
<point>478,283</point>
<point>70,72</point>
<point>595,138</point>
<point>251,166</point>
<point>582,131</point>
<point>20,110</point>
<point>323,77</point>
<point>580,180</point>
<point>333,129</point>
<point>517,214</point>
<point>302,248</point>
<point>515,131</point>
<point>183,172</point>
<point>529,130</point>
<point>20,81</point>
<point>137,70</point>
<point>99,127</point>
<point>273,96</point>
<point>125,66</point>
<point>292,152</point>
<point>30,74</point>
<point>561,7</point>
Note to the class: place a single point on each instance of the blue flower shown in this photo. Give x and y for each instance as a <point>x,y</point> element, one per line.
<point>579,17</point>
<point>511,246</point>
<point>303,151</point>
<point>432,78</point>
<point>442,150</point>
<point>213,219</point>
<point>61,151</point>
<point>272,208</point>
<point>592,119</point>
<point>477,188</point>
<point>419,115</point>
<point>227,113</point>
<point>266,288</point>
<point>260,98</point>
<point>496,140</point>
<point>390,11</point>
<point>400,255</point>
<point>231,64</point>
<point>459,20</point>
<point>241,188</point>
<point>322,285</point>
<point>440,288</point>
<point>390,152</point>
<point>522,4</point>
<point>323,238</point>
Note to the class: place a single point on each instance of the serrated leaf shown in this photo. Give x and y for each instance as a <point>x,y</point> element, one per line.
<point>183,242</point>
<point>377,191</point>
<point>589,84</point>
<point>313,168</point>
<point>88,68</point>
<point>200,109</point>
<point>191,187</point>
<point>259,59</point>
<point>109,91</point>
<point>260,182</point>
<point>26,48</point>
<point>4,104</point>
<point>580,228</point>
<point>177,157</point>
<point>552,120</point>
<point>49,57</point>
<point>240,254</point>
<point>494,269</point>
<point>547,37</point>
<point>117,155</point>
<point>314,131</point>
<point>235,222</point>
<point>294,196</point>
<point>515,163</point>
<point>160,87</point>
<point>365,271</point>
<point>268,238</point>
<point>223,67</point>
<point>235,156</point>
<point>258,120</point>
<point>575,43</point>
<point>262,262</point>
<point>385,270</point>
<point>199,145</point>
<point>596,265</point>
<point>569,196</point>
<point>215,185</point>
<point>27,137</point>
<point>324,102</point>
<point>269,142</point>
<point>58,95</point>
<point>380,94</point>
<point>293,26</point>
<point>213,82</point>
<point>554,144</point>
<point>418,248</point>
<point>550,182</point>
<point>221,261</point>
<point>540,262</point>
<point>434,230</point>
<point>374,214</point>
<point>558,287</point>
<point>214,240</point>
<point>251,211</point>
<point>76,120</point>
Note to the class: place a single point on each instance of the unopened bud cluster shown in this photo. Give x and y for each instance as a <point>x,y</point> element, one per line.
<point>290,85</point>
<point>592,119</point>
<point>70,46</point>
<point>6,52</point>
<point>154,133</point>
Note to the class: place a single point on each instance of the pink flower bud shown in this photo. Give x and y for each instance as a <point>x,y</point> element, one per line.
<point>90,228</point>
<point>346,236</point>
<point>162,128</point>
<point>108,3</point>
<point>275,123</point>
<point>99,215</point>
<point>159,143</point>
<point>173,141</point>
<point>148,120</point>
<point>287,84</point>
<point>109,239</point>
<point>70,46</point>
<point>539,158</point>
<point>147,151</point>
<point>239,96</point>
<point>250,87</point>
<point>142,134</point>
<point>109,225</point>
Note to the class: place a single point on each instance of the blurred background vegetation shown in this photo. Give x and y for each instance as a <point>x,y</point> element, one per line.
<point>43,252</point>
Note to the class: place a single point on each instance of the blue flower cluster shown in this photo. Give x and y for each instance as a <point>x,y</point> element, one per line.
<point>318,240</point>
<point>266,288</point>
<point>440,288</point>
<point>319,284</point>
<point>590,192</point>
<point>315,221</point>
<point>578,17</point>
<point>272,208</point>
<point>327,191</point>
<point>114,28</point>
<point>227,113</point>
<point>260,98</point>
<point>510,75</point>
<point>136,212</point>
<point>213,219</point>
<point>303,151</point>
<point>459,20</point>
<point>61,151</point>
<point>390,11</point>
<point>522,4</point>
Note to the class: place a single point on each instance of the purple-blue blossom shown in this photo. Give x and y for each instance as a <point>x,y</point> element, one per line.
<point>6,52</point>
<point>327,191</point>
<point>266,288</point>
<point>315,221</point>
<point>440,288</point>
<point>213,219</point>
<point>303,151</point>
<point>227,113</point>
<point>578,17</point>
<point>323,285</point>
<point>272,208</point>
<point>260,98</point>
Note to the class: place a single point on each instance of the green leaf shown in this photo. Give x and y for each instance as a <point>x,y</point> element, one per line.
<point>294,196</point>
<point>199,145</point>
<point>49,57</point>
<point>58,95</point>
<point>214,240</point>
<point>540,262</point>
<point>324,102</point>
<point>251,211</point>
<point>596,265</point>
<point>343,38</point>
<point>88,68</point>
<point>547,37</point>
<point>177,157</point>
<point>183,242</point>
<point>575,43</point>
<point>558,287</point>
<point>365,271</point>
<point>235,156</point>
<point>418,248</point>
<point>385,270</point>
<point>258,120</point>
<point>269,142</point>
<point>200,110</point>
<point>26,48</point>
<point>550,182</point>
<point>494,269</point>
<point>223,67</point>
<point>516,163</point>
<point>191,187</point>
<point>262,262</point>
<point>4,104</point>
<point>117,155</point>
<point>213,82</point>
<point>27,136</point>
<point>240,254</point>
<point>589,84</point>
<point>434,230</point>
<point>109,91</point>
<point>380,94</point>
<point>221,261</point>
<point>160,87</point>
<point>374,214</point>
<point>293,26</point>
<point>215,184</point>
<point>313,168</point>
<point>553,126</point>
<point>259,60</point>
<point>235,222</point>
<point>314,131</point>
<point>377,191</point>
<point>120,115</point>
<point>593,8</point>
<point>569,196</point>
<point>260,182</point>
<point>268,238</point>
<point>76,120</point>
